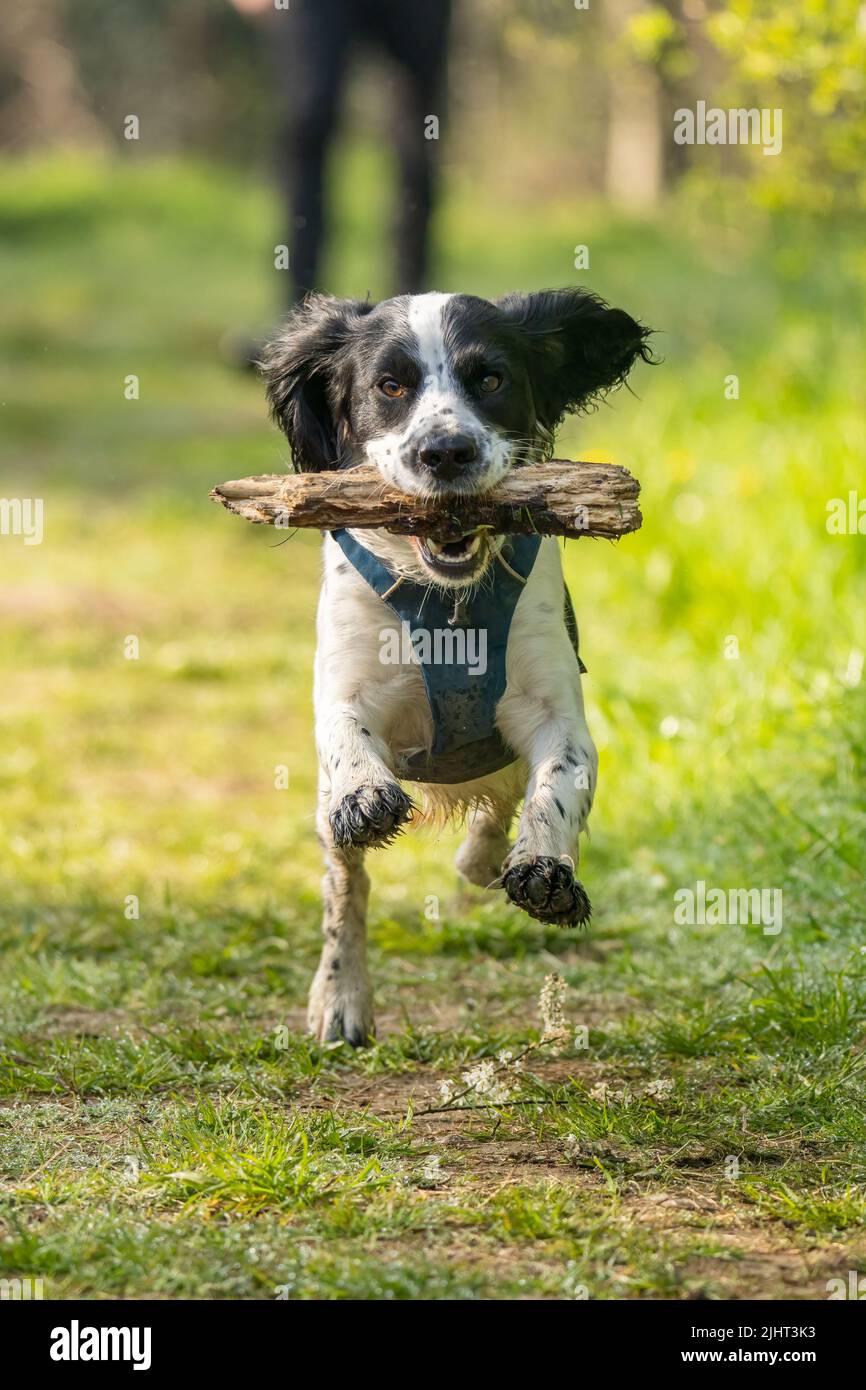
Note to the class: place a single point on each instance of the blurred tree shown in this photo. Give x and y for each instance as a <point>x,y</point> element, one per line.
<point>807,57</point>
<point>42,98</point>
<point>634,162</point>
<point>192,70</point>
<point>547,95</point>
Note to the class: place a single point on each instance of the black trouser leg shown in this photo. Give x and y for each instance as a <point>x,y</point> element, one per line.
<point>416,37</point>
<point>415,194</point>
<point>314,39</point>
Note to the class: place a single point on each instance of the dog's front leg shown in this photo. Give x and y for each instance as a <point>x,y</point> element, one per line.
<point>341,998</point>
<point>366,806</point>
<point>361,803</point>
<point>539,874</point>
<point>542,717</point>
<point>355,705</point>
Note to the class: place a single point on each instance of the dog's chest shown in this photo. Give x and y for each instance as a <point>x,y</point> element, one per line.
<point>458,641</point>
<point>436,685</point>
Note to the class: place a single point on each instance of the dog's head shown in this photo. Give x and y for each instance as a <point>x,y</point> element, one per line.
<point>443,392</point>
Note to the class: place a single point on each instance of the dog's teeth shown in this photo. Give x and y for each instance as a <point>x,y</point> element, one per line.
<point>469,548</point>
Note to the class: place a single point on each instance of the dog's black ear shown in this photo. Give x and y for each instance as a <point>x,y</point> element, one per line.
<point>578,348</point>
<point>307,377</point>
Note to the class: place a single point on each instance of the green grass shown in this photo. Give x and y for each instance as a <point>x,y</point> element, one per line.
<point>165,1126</point>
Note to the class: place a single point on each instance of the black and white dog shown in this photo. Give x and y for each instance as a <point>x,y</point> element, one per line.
<point>444,393</point>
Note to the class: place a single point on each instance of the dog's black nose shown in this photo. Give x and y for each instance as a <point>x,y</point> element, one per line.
<point>446,457</point>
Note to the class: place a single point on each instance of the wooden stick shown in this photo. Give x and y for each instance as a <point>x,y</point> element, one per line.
<point>560,498</point>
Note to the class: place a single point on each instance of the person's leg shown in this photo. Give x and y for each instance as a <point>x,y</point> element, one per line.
<point>420,48</point>
<point>313,38</point>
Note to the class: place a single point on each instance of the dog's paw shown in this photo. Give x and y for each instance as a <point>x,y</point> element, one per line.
<point>370,816</point>
<point>547,889</point>
<point>340,1011</point>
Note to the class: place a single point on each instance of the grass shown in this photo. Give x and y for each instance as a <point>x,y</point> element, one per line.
<point>165,1126</point>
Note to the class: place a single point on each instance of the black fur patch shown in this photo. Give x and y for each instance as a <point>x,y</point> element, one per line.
<point>556,351</point>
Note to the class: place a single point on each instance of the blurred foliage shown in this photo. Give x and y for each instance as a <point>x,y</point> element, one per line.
<point>655,37</point>
<point>809,58</point>
<point>155,778</point>
<point>536,79</point>
<point>194,71</point>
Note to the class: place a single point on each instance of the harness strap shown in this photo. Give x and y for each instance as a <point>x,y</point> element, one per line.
<point>461,654</point>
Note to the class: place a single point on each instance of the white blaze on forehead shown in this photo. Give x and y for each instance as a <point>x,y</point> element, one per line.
<point>441,404</point>
<point>426,320</point>
<point>440,408</point>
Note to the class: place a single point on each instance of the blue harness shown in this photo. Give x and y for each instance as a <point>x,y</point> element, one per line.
<point>462,690</point>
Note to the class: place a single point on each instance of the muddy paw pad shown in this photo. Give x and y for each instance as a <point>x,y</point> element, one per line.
<point>370,816</point>
<point>547,889</point>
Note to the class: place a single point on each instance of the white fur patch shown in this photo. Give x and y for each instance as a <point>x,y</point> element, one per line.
<point>441,408</point>
<point>425,321</point>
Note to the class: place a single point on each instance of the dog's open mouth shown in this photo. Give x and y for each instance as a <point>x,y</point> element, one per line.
<point>456,557</point>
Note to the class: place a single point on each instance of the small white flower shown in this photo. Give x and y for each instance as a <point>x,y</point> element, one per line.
<point>485,1084</point>
<point>602,1091</point>
<point>551,1007</point>
<point>659,1089</point>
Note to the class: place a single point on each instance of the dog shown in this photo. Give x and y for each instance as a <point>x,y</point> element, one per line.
<point>444,393</point>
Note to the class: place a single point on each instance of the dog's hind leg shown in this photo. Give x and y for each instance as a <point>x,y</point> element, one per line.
<point>341,997</point>
<point>480,856</point>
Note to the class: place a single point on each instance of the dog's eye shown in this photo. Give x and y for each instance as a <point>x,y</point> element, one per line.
<point>491,382</point>
<point>391,388</point>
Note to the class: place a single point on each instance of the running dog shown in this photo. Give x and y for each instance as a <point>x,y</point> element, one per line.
<point>444,393</point>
